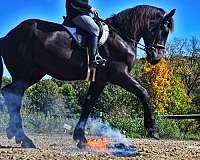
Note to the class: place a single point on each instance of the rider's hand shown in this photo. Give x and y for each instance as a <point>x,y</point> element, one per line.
<point>93,10</point>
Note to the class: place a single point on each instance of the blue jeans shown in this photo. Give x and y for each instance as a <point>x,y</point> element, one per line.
<point>85,22</point>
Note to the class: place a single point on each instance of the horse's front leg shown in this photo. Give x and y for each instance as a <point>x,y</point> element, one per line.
<point>93,93</point>
<point>123,79</point>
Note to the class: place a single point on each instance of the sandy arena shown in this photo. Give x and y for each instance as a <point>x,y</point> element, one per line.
<point>57,147</point>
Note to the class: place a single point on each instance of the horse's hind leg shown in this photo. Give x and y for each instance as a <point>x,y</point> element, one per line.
<point>93,93</point>
<point>13,94</point>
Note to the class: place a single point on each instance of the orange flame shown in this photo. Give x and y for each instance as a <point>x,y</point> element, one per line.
<point>99,144</point>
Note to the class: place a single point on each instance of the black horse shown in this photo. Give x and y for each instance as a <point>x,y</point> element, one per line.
<point>35,48</point>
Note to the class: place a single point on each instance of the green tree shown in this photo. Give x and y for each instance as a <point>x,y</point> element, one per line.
<point>177,101</point>
<point>69,95</point>
<point>184,60</point>
<point>43,97</point>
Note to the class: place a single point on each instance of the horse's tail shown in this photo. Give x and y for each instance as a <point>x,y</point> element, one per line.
<point>1,62</point>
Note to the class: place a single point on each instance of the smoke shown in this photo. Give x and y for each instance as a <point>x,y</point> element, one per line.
<point>99,128</point>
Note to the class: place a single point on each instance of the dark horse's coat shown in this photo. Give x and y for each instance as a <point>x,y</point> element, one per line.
<point>35,48</point>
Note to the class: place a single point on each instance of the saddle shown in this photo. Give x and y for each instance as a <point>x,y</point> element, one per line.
<point>80,36</point>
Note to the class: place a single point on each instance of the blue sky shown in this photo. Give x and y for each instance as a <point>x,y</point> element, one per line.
<point>12,12</point>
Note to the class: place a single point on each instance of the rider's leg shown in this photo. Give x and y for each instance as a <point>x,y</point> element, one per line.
<point>86,22</point>
<point>92,48</point>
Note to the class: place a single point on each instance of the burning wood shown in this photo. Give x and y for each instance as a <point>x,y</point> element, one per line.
<point>98,144</point>
<point>104,145</point>
<point>122,150</point>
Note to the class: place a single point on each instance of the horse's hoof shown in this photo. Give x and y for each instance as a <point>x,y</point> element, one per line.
<point>28,144</point>
<point>153,133</point>
<point>18,140</point>
<point>81,145</point>
<point>155,136</point>
<point>19,136</point>
<point>79,135</point>
<point>10,133</point>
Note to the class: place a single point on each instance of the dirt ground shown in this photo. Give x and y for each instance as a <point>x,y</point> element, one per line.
<point>61,146</point>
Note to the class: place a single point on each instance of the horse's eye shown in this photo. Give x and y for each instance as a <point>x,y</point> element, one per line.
<point>165,26</point>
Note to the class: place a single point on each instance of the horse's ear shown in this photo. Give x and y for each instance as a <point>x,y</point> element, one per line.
<point>169,15</point>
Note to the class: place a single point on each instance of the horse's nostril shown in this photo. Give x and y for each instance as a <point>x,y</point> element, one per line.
<point>150,49</point>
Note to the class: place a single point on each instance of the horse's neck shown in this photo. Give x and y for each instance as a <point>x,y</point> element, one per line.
<point>134,33</point>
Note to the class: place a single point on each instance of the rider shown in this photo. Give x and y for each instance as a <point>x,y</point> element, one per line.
<point>78,11</point>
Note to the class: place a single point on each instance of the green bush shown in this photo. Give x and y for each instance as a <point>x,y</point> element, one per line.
<point>177,129</point>
<point>168,128</point>
<point>131,127</point>
<point>188,127</point>
<point>39,123</point>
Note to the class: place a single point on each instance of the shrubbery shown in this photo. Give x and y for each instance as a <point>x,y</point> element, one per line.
<point>131,127</point>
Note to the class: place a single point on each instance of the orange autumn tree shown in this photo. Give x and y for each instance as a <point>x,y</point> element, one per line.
<point>155,78</point>
<point>167,92</point>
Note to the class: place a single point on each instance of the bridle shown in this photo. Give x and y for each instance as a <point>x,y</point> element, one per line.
<point>145,48</point>
<point>154,44</point>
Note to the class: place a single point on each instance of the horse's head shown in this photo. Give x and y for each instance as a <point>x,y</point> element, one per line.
<point>155,36</point>
<point>147,22</point>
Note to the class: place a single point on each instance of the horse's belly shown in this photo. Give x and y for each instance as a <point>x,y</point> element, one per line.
<point>64,66</point>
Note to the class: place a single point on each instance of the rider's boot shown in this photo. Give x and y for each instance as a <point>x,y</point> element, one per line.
<point>92,49</point>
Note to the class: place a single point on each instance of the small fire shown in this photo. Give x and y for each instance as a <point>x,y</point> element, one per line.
<point>103,145</point>
<point>97,144</point>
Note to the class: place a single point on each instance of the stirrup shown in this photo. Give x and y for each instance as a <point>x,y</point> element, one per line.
<point>98,60</point>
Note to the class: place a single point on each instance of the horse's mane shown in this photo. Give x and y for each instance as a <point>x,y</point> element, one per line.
<point>130,20</point>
